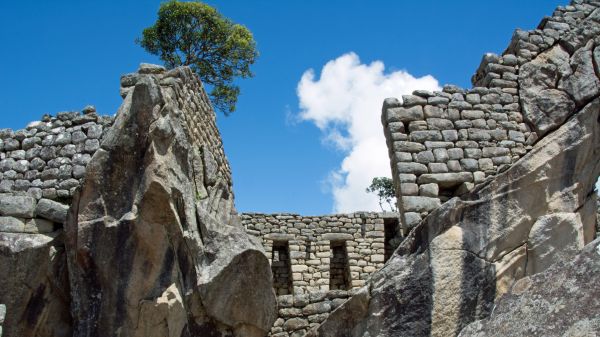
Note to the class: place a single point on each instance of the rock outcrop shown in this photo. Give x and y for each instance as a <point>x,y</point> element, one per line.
<point>152,244</point>
<point>538,209</point>
<point>562,301</point>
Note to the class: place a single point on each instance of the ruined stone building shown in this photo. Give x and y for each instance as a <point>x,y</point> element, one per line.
<point>126,225</point>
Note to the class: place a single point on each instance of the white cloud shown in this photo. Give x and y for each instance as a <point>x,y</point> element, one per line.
<point>345,104</point>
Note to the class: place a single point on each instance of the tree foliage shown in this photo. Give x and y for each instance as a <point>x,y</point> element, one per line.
<point>384,188</point>
<point>196,35</point>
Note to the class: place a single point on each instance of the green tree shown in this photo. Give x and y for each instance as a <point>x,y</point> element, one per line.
<point>384,188</point>
<point>196,35</point>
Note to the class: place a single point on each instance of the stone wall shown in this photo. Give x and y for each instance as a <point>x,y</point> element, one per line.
<point>47,159</point>
<point>441,144</point>
<point>319,261</point>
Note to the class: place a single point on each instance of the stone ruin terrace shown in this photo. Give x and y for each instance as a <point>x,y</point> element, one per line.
<point>441,145</point>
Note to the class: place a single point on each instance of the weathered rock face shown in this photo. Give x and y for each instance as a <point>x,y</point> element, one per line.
<point>34,285</point>
<point>562,301</point>
<point>154,245</point>
<point>535,209</point>
<point>32,261</point>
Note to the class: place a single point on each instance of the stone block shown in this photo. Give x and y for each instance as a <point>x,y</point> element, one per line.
<point>403,156</point>
<point>423,93</point>
<point>417,126</point>
<point>501,160</point>
<point>412,219</point>
<point>91,145</point>
<point>299,268</point>
<point>454,166</point>
<point>455,153</point>
<point>428,135</point>
<point>402,114</point>
<point>486,164</point>
<point>472,153</point>
<point>467,144</point>
<point>441,155</point>
<point>437,100</point>
<point>470,165</point>
<point>396,127</point>
<point>17,206</point>
<point>472,114</point>
<point>453,114</point>
<point>460,105</point>
<point>473,98</point>
<point>425,157</point>
<point>377,258</point>
<point>480,134</point>
<point>446,180</point>
<point>294,324</point>
<point>433,111</point>
<point>10,224</point>
<point>411,100</point>
<point>409,189</point>
<point>438,145</point>
<point>407,178</point>
<point>94,131</point>
<point>480,124</point>
<point>498,134</point>
<point>403,146</point>
<point>463,124</point>
<point>396,136</point>
<point>439,124</point>
<point>450,135</point>
<point>78,137</point>
<point>437,168</point>
<point>420,204</point>
<point>429,190</point>
<point>337,237</point>
<point>516,136</point>
<point>488,152</point>
<point>414,168</point>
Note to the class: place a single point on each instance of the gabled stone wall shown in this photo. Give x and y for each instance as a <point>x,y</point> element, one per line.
<point>441,144</point>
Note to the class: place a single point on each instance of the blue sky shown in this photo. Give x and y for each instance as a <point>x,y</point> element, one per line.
<point>290,150</point>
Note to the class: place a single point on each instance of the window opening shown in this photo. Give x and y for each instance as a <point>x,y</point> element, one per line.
<point>339,270</point>
<point>280,267</point>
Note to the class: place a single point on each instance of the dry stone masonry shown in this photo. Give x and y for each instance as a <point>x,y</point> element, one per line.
<point>47,159</point>
<point>494,185</point>
<point>319,261</point>
<point>441,144</point>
